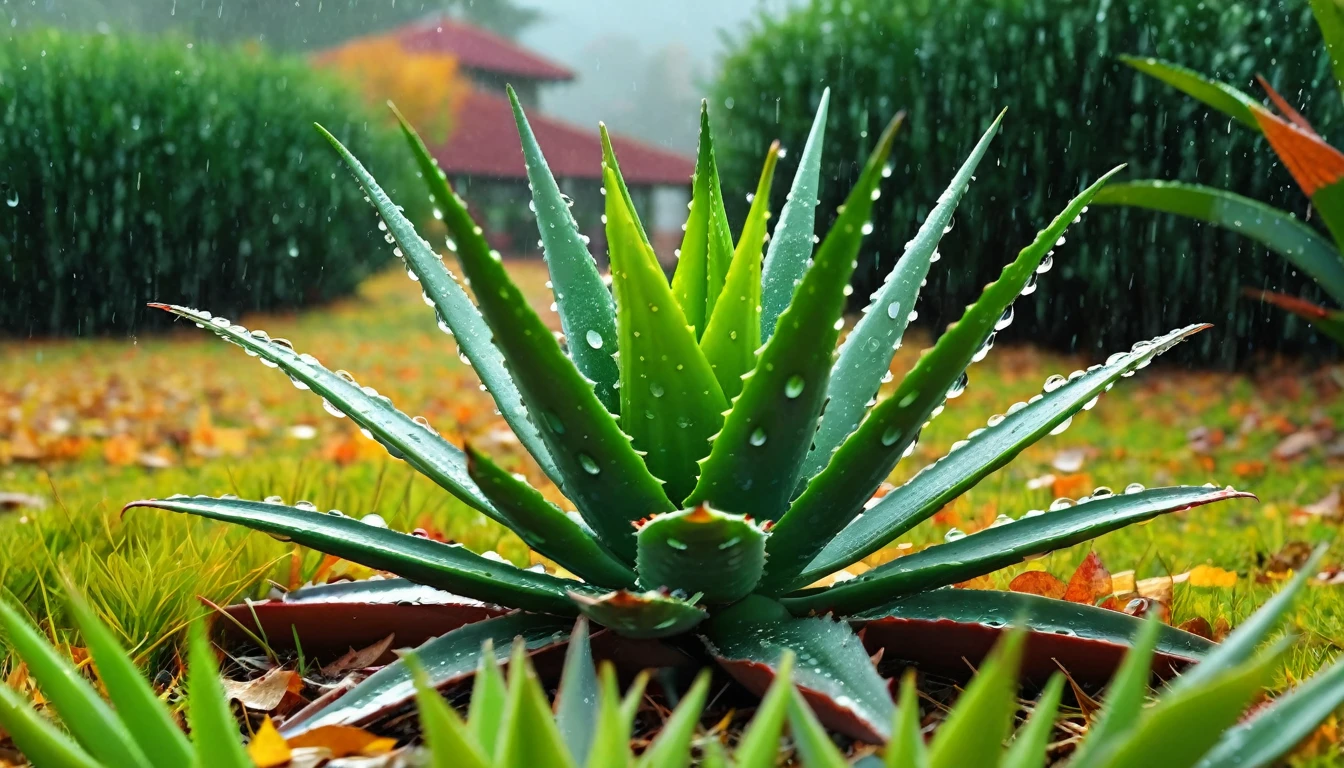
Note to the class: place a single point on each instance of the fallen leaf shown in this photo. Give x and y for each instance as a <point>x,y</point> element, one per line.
<point>343,741</point>
<point>1249,469</point>
<point>264,693</point>
<point>1122,582</point>
<point>268,748</point>
<point>1290,558</point>
<point>1211,576</point>
<point>1296,444</point>
<point>359,659</point>
<point>1090,582</point>
<point>1038,583</point>
<point>121,450</point>
<point>1071,486</point>
<point>1327,507</point>
<point>1044,481</point>
<point>10,502</point>
<point>1198,626</point>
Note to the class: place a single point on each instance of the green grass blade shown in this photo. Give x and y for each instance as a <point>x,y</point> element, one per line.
<point>611,744</point>
<point>41,743</point>
<point>906,749</point>
<point>587,313</point>
<point>670,401</point>
<point>1224,98</point>
<point>485,712</point>
<point>576,702</point>
<point>759,745</point>
<point>90,720</point>
<point>756,458</point>
<point>975,729</point>
<point>402,436</point>
<point>865,356</point>
<point>1277,230</point>
<point>1001,546</point>
<point>1239,647</point>
<point>791,242</point>
<point>960,470</point>
<point>1330,18</point>
<point>530,738</point>
<point>734,332</point>
<point>454,310</point>
<point>707,246</point>
<point>714,756</point>
<point>1125,695</point>
<point>601,472</point>
<point>145,715</point>
<point>718,555</point>
<point>449,567</point>
<point>1029,746</point>
<point>634,697</point>
<point>649,614</point>
<point>545,528</point>
<point>671,748</point>
<point>810,738</point>
<point>215,735</point>
<point>609,158</point>
<point>450,743</point>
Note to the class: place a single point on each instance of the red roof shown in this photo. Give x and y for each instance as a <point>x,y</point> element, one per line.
<point>476,48</point>
<point>484,142</point>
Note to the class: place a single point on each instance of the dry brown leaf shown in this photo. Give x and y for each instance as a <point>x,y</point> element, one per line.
<point>1198,626</point>
<point>1296,444</point>
<point>359,659</point>
<point>265,693</point>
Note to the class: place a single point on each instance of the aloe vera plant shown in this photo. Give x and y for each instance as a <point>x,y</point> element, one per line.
<point>727,460</point>
<point>1317,167</point>
<point>510,724</point>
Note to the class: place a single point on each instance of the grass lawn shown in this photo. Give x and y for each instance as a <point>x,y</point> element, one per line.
<point>86,426</point>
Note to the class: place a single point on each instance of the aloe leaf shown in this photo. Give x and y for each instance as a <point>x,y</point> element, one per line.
<point>145,715</point>
<point>634,697</point>
<point>1317,167</point>
<point>704,551</point>
<point>447,738</point>
<point>576,704</point>
<point>530,737</point>
<point>1000,546</point>
<point>454,310</point>
<point>41,742</point>
<point>1330,18</point>
<point>707,246</point>
<point>449,659</point>
<point>1125,696</point>
<point>587,313</point>
<point>906,749</point>
<point>545,528</point>
<point>611,743</point>
<point>670,401</point>
<point>609,158</point>
<point>948,478</point>
<point>402,436</point>
<point>734,331</point>
<point>90,720</point>
<point>713,756</point>
<point>759,745</point>
<point>485,712</point>
<point>1328,321</point>
<point>865,356</point>
<point>1030,745</point>
<point>450,567</point>
<point>671,748</point>
<point>755,459</point>
<point>1277,230</point>
<point>975,729</point>
<point>1239,647</point>
<point>810,737</point>
<point>601,472</point>
<point>835,674</point>
<point>944,629</point>
<point>1278,727</point>
<point>640,614</point>
<point>214,732</point>
<point>791,242</point>
<point>1224,98</point>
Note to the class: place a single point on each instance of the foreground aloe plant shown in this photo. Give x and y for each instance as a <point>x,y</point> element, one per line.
<point>685,423</point>
<point>1317,167</point>
<point>510,724</point>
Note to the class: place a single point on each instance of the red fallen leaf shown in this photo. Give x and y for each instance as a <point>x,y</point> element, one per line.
<point>1038,583</point>
<point>1090,582</point>
<point>265,693</point>
<point>1198,626</point>
<point>360,659</point>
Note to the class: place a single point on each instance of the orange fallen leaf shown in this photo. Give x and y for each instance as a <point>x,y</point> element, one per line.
<point>1090,582</point>
<point>1038,583</point>
<point>121,450</point>
<point>1248,468</point>
<point>1211,576</point>
<point>343,741</point>
<point>1198,626</point>
<point>1071,486</point>
<point>268,748</point>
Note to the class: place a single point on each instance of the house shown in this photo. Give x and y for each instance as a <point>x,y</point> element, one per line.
<point>484,161</point>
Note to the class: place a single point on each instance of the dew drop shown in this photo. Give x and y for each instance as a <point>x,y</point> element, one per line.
<point>1135,488</point>
<point>794,386</point>
<point>594,339</point>
<point>954,534</point>
<point>757,437</point>
<point>588,464</point>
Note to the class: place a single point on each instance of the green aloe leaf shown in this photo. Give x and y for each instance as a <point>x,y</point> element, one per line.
<point>975,729</point>
<point>214,731</point>
<point>1277,230</point>
<point>403,437</point>
<point>865,356</point>
<point>707,246</point>
<point>444,566</point>
<point>601,472</point>
<point>960,470</point>
<point>1000,546</point>
<point>734,331</point>
<point>792,241</point>
<point>1029,746</point>
<point>756,458</point>
<point>454,310</point>
<point>759,745</point>
<point>713,756</point>
<point>750,639</point>
<point>1125,696</point>
<point>447,659</point>
<point>609,158</point>
<point>810,737</point>
<point>906,748</point>
<point>530,737</point>
<point>449,741</point>
<point>611,742</point>
<point>576,702</point>
<point>37,738</point>
<point>670,401</point>
<point>640,614</point>
<point>90,720</point>
<point>671,748</point>
<point>587,313</point>
<point>1330,18</point>
<point>1328,321</point>
<point>704,551</point>
<point>545,528</point>
<point>1224,98</point>
<point>145,715</point>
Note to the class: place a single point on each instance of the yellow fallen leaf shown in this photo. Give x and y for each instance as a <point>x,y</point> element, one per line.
<point>1123,582</point>
<point>268,748</point>
<point>343,741</point>
<point>1211,576</point>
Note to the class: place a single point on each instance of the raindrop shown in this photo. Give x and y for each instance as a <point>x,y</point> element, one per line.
<point>1000,520</point>
<point>594,339</point>
<point>1102,492</point>
<point>757,437</point>
<point>1135,488</point>
<point>958,386</point>
<point>306,506</point>
<point>374,519</point>
<point>588,464</point>
<point>1030,287</point>
<point>954,534</point>
<point>894,309</point>
<point>1061,503</point>
<point>1045,265</point>
<point>1054,382</point>
<point>677,544</point>
<point>1005,320</point>
<point>1062,426</point>
<point>794,386</point>
<point>656,389</point>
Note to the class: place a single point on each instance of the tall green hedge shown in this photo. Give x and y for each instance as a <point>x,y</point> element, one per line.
<point>134,170</point>
<point>1073,112</point>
